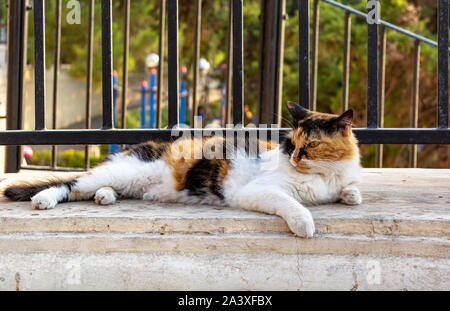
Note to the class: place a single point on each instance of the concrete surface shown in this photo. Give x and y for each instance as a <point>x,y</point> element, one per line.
<point>398,239</point>
<point>396,202</point>
<point>261,271</point>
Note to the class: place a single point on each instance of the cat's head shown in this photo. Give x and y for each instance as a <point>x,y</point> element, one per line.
<point>319,141</point>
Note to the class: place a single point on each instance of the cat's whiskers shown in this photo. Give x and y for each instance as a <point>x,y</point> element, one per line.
<point>284,119</point>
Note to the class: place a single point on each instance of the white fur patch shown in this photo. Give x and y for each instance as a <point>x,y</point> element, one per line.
<point>351,196</point>
<point>48,198</point>
<point>105,196</point>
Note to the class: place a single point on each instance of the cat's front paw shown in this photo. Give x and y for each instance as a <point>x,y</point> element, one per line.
<point>149,196</point>
<point>302,224</point>
<point>351,196</point>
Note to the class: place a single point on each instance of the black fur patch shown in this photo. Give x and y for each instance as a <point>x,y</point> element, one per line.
<point>203,177</point>
<point>148,151</point>
<point>25,191</point>
<point>328,126</point>
<point>286,144</point>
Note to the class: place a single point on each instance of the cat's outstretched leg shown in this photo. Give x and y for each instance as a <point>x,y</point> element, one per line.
<point>79,189</point>
<point>275,201</point>
<point>84,188</point>
<point>102,184</point>
<point>350,195</point>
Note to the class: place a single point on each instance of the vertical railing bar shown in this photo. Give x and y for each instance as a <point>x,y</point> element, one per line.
<point>16,59</point>
<point>39,52</point>
<point>198,30</point>
<point>346,69</point>
<point>107,66</point>
<point>415,102</point>
<point>162,34</point>
<point>87,120</point>
<point>126,49</point>
<point>280,62</point>
<point>372,74</point>
<point>238,63</point>
<point>303,51</point>
<point>173,65</point>
<point>268,61</point>
<point>315,54</point>
<point>443,24</point>
<point>381,91</point>
<point>229,63</point>
<point>56,66</point>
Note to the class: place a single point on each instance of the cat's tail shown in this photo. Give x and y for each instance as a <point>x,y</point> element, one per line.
<point>25,190</point>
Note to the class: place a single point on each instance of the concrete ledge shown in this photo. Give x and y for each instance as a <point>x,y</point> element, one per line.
<point>225,243</point>
<point>141,217</point>
<point>259,271</point>
<point>121,271</point>
<point>401,232</point>
<point>396,202</point>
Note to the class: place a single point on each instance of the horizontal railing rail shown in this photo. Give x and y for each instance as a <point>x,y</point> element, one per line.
<point>133,136</point>
<point>384,23</point>
<point>372,134</point>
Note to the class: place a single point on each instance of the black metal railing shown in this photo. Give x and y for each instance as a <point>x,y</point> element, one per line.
<point>372,134</point>
<point>376,72</point>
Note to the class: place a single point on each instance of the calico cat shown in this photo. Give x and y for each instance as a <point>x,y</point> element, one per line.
<point>316,162</point>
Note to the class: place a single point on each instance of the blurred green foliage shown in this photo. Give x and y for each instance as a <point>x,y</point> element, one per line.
<point>67,158</point>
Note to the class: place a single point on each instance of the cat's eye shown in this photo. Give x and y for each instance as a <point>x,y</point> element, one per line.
<point>314,144</point>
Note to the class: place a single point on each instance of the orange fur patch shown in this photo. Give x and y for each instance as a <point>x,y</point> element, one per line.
<point>185,154</point>
<point>223,172</point>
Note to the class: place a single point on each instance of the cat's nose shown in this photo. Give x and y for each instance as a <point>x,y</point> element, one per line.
<point>296,159</point>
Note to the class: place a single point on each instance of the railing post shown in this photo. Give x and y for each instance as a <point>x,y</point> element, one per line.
<point>56,65</point>
<point>381,89</point>
<point>229,78</point>
<point>126,36</point>
<point>39,64</point>
<point>415,102</point>
<point>238,63</point>
<point>443,23</point>
<point>280,64</point>
<point>107,78</point>
<point>17,42</point>
<point>303,51</point>
<point>89,65</point>
<point>346,69</point>
<point>372,71</point>
<point>162,33</point>
<point>271,61</point>
<point>173,66</point>
<point>315,54</point>
<point>198,31</point>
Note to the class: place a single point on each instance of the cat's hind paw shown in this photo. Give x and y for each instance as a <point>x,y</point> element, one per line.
<point>351,196</point>
<point>105,196</point>
<point>43,200</point>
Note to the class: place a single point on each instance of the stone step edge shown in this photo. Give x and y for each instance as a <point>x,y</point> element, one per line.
<point>375,245</point>
<point>395,227</point>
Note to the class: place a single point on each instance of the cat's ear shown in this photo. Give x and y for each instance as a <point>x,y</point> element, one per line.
<point>297,112</point>
<point>344,122</point>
